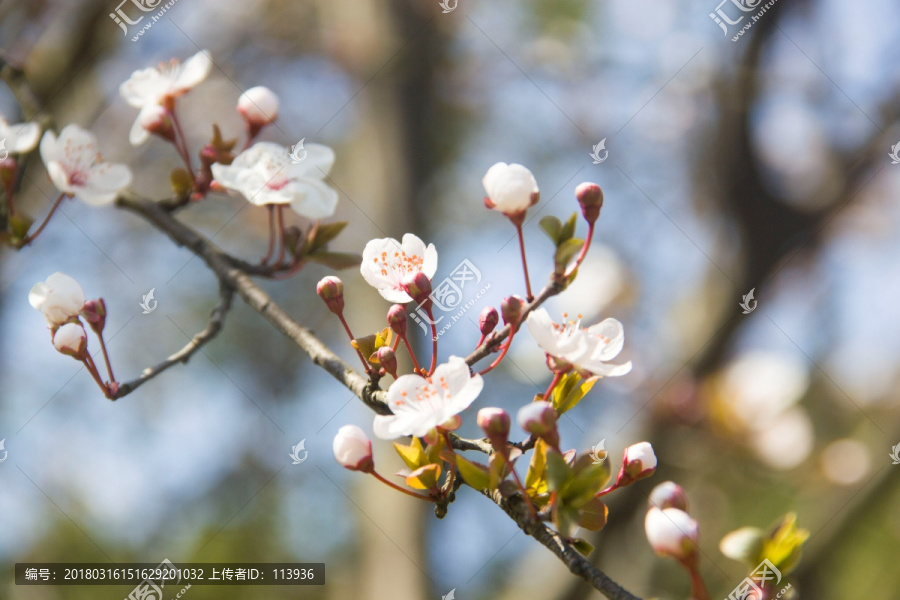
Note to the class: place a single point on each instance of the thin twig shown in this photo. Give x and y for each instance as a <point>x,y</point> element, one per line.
<point>212,329</point>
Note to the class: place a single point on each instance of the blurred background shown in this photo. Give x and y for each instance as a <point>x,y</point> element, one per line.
<point>757,164</point>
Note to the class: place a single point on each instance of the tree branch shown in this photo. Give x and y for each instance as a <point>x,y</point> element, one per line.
<point>212,329</point>
<point>232,276</point>
<point>577,564</point>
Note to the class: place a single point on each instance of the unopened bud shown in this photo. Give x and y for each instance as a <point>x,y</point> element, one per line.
<point>495,424</point>
<point>669,495</point>
<point>71,340</point>
<point>672,532</point>
<point>396,318</point>
<point>639,462</point>
<point>353,449</point>
<point>539,418</point>
<point>418,286</point>
<point>158,121</point>
<point>590,197</point>
<point>511,308</point>
<point>488,320</point>
<point>94,312</point>
<point>331,291</point>
<point>388,360</point>
<point>259,106</point>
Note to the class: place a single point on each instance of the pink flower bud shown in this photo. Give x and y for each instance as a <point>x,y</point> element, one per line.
<point>672,532</point>
<point>259,106</point>
<point>396,318</point>
<point>511,308</point>
<point>539,418</point>
<point>495,423</point>
<point>331,291</point>
<point>158,121</point>
<point>639,462</point>
<point>387,359</point>
<point>418,286</point>
<point>71,340</point>
<point>488,320</point>
<point>590,197</point>
<point>511,189</point>
<point>94,312</point>
<point>353,449</point>
<point>669,495</point>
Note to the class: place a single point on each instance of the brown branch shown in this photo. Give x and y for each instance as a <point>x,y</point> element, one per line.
<point>577,564</point>
<point>224,268</point>
<point>212,329</point>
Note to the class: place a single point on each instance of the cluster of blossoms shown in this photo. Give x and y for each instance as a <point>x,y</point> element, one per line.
<point>60,299</point>
<point>428,404</point>
<point>265,173</point>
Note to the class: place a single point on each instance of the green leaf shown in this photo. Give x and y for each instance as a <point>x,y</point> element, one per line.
<point>424,478</point>
<point>565,518</point>
<point>592,516</point>
<point>498,470</point>
<point>578,391</point>
<point>784,544</point>
<point>552,226</point>
<point>582,546</point>
<point>336,260</point>
<point>19,225</point>
<point>587,480</point>
<point>474,474</point>
<point>181,182</point>
<point>413,455</point>
<point>323,233</point>
<point>565,252</point>
<point>744,545</point>
<point>568,230</point>
<point>535,478</point>
<point>558,471</point>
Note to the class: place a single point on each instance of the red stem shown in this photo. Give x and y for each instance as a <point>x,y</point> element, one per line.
<point>584,250</point>
<point>350,335</point>
<point>279,213</point>
<point>10,204</point>
<point>106,357</point>
<point>434,341</point>
<point>512,333</point>
<point>185,153</point>
<point>529,296</point>
<point>92,369</point>
<point>268,256</point>
<point>30,238</point>
<point>557,375</point>
<point>698,587</point>
<point>401,489</point>
<point>412,355</point>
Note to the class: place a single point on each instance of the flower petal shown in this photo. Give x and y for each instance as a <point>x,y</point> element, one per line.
<point>313,198</point>
<point>193,71</point>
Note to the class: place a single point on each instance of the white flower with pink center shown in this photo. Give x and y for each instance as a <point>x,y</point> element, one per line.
<point>161,85</point>
<point>585,350</point>
<point>387,263</point>
<point>76,168</point>
<point>264,174</point>
<point>420,404</point>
